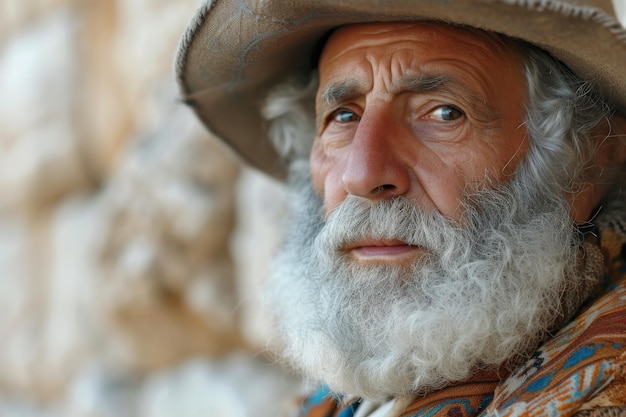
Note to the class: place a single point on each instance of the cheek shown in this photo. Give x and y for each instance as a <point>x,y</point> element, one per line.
<point>326,174</point>
<point>318,171</point>
<point>499,158</point>
<point>512,154</point>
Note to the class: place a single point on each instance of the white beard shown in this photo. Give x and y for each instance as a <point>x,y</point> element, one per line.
<point>490,289</point>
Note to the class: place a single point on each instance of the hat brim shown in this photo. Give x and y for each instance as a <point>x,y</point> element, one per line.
<point>234,51</point>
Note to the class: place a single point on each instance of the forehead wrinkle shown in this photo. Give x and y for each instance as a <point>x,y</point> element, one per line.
<point>419,83</point>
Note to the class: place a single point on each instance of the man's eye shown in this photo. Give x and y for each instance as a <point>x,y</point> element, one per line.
<point>446,113</point>
<point>345,116</point>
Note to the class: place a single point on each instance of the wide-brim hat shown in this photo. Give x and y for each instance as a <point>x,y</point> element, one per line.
<point>235,51</point>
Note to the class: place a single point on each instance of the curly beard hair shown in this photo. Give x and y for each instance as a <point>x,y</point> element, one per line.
<point>489,288</point>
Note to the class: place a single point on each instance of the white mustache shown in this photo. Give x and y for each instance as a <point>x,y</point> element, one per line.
<point>397,219</point>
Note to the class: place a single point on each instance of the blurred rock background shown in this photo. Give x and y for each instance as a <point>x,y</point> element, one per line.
<point>132,248</point>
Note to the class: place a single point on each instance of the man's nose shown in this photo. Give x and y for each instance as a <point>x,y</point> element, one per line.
<point>375,168</point>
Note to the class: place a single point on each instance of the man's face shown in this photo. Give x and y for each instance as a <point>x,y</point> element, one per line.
<point>425,245</point>
<point>421,110</point>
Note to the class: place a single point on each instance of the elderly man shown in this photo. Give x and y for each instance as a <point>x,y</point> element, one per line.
<point>459,227</point>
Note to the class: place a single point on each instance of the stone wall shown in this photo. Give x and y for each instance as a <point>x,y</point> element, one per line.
<point>132,246</point>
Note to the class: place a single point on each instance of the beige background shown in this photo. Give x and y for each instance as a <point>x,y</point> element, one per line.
<point>132,248</point>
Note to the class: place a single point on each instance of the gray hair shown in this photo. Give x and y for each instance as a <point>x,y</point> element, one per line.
<point>562,113</point>
<point>290,109</point>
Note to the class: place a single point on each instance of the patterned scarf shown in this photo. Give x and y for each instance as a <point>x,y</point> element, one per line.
<point>580,372</point>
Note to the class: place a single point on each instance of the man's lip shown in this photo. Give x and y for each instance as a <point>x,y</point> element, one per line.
<point>383,250</point>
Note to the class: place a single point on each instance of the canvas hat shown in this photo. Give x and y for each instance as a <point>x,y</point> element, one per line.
<point>234,51</point>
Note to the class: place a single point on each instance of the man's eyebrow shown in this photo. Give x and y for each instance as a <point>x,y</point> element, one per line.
<point>343,91</point>
<point>339,92</point>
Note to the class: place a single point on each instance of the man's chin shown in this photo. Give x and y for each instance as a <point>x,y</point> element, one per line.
<point>405,368</point>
